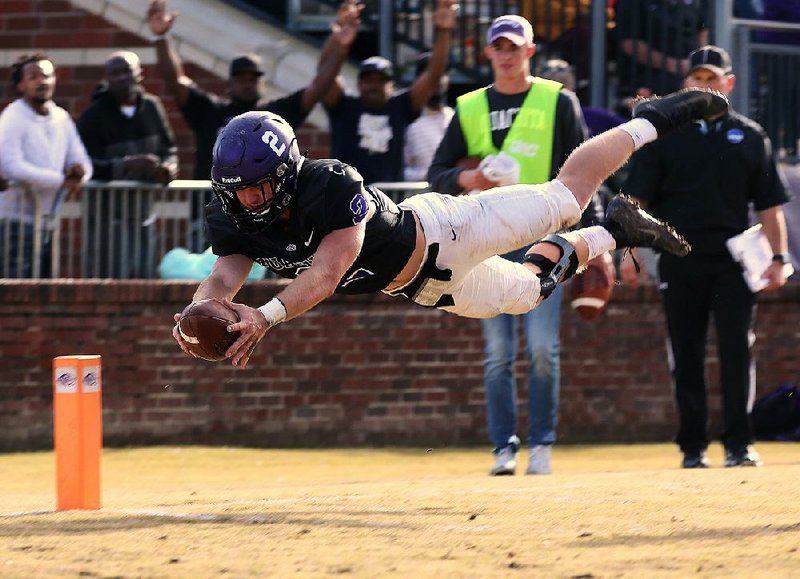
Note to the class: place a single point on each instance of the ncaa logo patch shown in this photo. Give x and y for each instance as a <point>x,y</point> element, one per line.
<point>735,136</point>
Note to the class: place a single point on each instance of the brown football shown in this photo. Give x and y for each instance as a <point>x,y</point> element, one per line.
<point>204,328</point>
<point>589,291</point>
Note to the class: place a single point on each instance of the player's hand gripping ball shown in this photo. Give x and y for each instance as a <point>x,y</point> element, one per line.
<point>589,291</point>
<point>204,327</point>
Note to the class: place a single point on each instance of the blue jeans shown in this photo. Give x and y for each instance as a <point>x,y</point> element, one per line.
<point>543,348</point>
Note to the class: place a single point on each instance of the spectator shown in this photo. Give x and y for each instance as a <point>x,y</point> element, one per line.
<point>503,119</point>
<point>598,120</point>
<point>206,113</point>
<point>654,38</point>
<point>704,178</point>
<point>45,160</point>
<point>125,129</point>
<point>424,134</point>
<point>127,135</point>
<point>368,130</point>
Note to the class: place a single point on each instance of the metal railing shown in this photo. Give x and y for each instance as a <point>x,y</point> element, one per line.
<point>768,84</point>
<point>119,229</point>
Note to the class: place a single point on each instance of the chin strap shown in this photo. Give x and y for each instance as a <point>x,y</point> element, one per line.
<point>554,273</point>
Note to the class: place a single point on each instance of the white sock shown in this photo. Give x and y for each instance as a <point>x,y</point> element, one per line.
<point>597,239</point>
<point>641,131</point>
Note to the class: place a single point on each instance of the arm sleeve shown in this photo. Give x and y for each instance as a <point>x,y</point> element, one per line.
<point>13,164</point>
<point>345,199</point>
<point>168,151</point>
<point>290,108</point>
<point>571,129</point>
<point>767,184</point>
<point>200,108</point>
<point>443,173</point>
<point>89,125</point>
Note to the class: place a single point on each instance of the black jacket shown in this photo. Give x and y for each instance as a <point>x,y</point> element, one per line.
<point>109,136</point>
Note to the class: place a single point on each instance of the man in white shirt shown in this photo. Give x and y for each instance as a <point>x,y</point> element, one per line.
<point>425,133</point>
<point>44,160</point>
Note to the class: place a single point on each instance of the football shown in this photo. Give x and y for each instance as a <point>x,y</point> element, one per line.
<point>589,291</point>
<point>204,328</point>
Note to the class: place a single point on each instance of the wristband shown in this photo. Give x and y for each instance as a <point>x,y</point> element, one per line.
<point>780,258</point>
<point>274,311</point>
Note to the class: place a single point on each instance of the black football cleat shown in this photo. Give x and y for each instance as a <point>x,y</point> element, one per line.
<point>632,226</point>
<point>681,108</point>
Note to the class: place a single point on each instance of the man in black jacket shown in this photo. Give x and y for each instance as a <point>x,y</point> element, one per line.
<point>127,136</point>
<point>125,129</point>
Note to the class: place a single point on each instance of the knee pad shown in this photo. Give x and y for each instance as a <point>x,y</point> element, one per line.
<point>554,272</point>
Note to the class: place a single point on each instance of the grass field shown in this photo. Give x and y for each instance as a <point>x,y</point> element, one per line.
<point>607,511</point>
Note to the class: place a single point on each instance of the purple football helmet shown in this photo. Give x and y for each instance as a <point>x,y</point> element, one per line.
<point>254,149</point>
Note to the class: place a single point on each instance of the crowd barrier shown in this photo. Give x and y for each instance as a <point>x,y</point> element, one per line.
<point>118,229</point>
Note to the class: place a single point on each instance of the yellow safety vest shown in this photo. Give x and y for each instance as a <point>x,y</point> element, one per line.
<point>530,138</point>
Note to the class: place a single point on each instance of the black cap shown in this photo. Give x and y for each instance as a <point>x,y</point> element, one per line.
<point>713,58</point>
<point>246,63</point>
<point>377,64</point>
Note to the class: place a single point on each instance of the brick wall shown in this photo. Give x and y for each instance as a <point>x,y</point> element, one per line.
<point>356,370</point>
<point>28,26</point>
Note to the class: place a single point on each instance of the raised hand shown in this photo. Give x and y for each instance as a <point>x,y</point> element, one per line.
<point>158,18</point>
<point>445,15</point>
<point>348,20</point>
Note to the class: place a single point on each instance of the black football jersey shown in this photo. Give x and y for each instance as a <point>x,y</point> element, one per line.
<point>329,195</point>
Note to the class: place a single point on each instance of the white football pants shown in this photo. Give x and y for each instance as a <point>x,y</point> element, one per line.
<point>472,230</point>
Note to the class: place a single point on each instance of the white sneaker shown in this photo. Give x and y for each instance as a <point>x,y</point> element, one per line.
<point>505,462</point>
<point>539,460</point>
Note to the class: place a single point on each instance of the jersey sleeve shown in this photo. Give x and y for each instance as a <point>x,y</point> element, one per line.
<point>346,200</point>
<point>222,233</point>
<point>767,185</point>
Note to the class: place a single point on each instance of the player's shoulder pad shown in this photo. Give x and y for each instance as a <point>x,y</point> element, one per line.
<point>337,174</point>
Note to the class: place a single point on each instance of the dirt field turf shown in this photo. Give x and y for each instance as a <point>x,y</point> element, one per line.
<point>608,511</point>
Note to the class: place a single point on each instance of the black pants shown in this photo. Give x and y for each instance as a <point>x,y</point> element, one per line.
<point>696,287</point>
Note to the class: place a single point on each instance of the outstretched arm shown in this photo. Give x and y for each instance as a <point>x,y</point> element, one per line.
<point>334,52</point>
<point>170,64</point>
<point>444,20</point>
<point>336,253</point>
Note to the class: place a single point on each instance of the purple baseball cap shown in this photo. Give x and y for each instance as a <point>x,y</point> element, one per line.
<point>515,28</point>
